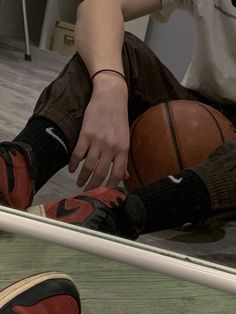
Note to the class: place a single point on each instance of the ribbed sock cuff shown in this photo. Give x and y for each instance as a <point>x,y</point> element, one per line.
<point>220,185</point>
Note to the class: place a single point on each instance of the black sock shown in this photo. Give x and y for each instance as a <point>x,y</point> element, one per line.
<point>49,146</point>
<point>174,201</point>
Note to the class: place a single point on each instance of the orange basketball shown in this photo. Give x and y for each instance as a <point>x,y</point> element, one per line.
<point>172,136</point>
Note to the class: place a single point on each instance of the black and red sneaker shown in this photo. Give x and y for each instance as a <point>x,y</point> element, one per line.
<point>45,293</point>
<point>105,209</point>
<point>17,173</point>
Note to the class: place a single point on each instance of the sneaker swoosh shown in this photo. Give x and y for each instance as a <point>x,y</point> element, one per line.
<point>62,211</point>
<point>50,132</point>
<point>173,179</point>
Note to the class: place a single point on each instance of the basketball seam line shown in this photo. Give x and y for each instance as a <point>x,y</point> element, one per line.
<point>174,138</point>
<point>132,153</point>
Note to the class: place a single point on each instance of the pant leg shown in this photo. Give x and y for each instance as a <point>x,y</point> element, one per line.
<point>65,99</point>
<point>218,172</point>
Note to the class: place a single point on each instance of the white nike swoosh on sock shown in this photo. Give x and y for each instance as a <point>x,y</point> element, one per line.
<point>50,132</point>
<point>177,181</point>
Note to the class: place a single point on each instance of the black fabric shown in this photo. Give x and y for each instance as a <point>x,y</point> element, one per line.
<point>170,204</point>
<point>49,146</point>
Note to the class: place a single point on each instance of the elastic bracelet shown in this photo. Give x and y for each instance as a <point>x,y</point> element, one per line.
<point>108,70</point>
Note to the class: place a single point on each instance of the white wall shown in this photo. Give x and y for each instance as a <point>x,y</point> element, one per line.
<point>10,17</point>
<point>11,21</point>
<point>138,27</point>
<point>174,41</point>
<point>68,10</point>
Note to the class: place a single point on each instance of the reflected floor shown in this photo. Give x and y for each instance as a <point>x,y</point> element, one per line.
<point>108,287</point>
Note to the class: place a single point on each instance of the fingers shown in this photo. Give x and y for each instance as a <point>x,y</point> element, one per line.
<point>78,153</point>
<point>101,171</point>
<point>126,177</point>
<point>89,165</point>
<point>97,166</point>
<point>119,170</point>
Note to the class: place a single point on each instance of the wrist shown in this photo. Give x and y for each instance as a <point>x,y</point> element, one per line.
<point>104,80</point>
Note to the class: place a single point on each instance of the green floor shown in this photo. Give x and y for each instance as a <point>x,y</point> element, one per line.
<point>108,287</point>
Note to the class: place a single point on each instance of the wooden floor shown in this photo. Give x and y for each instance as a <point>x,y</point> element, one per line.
<point>106,287</point>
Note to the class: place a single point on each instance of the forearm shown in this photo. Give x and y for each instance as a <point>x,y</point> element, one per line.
<point>99,34</point>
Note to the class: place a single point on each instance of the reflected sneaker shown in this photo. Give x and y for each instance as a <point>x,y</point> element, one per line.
<point>45,293</point>
<point>105,209</point>
<point>16,175</point>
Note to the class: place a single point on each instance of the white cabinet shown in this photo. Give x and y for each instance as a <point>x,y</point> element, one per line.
<point>56,10</point>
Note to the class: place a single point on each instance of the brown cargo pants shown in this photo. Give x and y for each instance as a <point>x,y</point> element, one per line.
<point>150,82</point>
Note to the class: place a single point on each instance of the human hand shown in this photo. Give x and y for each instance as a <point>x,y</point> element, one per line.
<point>104,136</point>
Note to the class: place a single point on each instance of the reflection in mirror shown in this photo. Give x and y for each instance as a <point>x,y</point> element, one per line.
<point>115,248</point>
<point>105,286</point>
<point>172,128</point>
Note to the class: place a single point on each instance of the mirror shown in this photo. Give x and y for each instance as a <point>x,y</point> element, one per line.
<point>106,286</point>
<point>118,249</point>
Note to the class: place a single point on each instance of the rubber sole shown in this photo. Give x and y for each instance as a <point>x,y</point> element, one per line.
<point>37,210</point>
<point>12,291</point>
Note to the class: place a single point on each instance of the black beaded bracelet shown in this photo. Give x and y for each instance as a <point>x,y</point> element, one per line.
<point>108,70</point>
